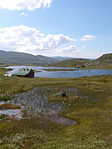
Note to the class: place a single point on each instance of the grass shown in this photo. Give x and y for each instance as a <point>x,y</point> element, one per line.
<point>36,71</point>
<point>8,106</point>
<point>59,69</point>
<point>94,118</point>
<point>99,66</point>
<point>12,85</point>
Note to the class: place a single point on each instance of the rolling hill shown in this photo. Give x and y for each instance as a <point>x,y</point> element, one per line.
<point>8,57</point>
<point>60,58</point>
<point>77,62</point>
<point>100,62</point>
<point>17,58</point>
<point>104,59</point>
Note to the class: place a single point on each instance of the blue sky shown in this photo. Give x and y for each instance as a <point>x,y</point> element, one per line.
<point>77,28</point>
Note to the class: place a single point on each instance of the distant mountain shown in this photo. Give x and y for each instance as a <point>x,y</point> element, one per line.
<point>60,58</point>
<point>8,57</point>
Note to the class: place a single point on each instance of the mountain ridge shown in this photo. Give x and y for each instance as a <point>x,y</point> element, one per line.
<point>9,57</point>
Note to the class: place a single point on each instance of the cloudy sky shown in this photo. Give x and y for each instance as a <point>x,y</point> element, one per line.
<point>76,28</point>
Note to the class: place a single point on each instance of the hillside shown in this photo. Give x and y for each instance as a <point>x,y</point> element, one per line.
<point>77,62</point>
<point>105,61</point>
<point>106,58</point>
<point>60,58</point>
<point>7,57</point>
<point>17,58</point>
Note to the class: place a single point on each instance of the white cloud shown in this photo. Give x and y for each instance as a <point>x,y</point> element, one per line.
<point>25,39</point>
<point>70,50</point>
<point>88,37</point>
<point>54,41</point>
<point>24,4</point>
<point>23,14</point>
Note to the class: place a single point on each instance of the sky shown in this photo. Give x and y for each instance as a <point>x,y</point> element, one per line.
<point>73,28</point>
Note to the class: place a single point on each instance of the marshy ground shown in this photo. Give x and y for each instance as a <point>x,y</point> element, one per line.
<point>88,102</point>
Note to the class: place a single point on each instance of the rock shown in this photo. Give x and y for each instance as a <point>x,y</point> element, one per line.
<point>63,94</point>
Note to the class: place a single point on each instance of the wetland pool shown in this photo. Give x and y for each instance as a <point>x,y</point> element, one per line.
<point>36,103</point>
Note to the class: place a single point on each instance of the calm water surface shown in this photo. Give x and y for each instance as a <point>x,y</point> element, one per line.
<point>61,74</point>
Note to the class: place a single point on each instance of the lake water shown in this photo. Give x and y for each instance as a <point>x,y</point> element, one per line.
<point>61,74</point>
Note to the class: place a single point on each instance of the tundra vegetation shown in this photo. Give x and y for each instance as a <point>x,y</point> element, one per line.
<point>59,69</point>
<point>93,129</point>
<point>103,62</point>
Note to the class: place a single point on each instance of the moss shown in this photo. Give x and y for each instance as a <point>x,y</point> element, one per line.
<point>5,98</point>
<point>8,106</point>
<point>2,116</point>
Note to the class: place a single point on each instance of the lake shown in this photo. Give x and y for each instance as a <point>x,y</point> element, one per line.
<point>61,74</point>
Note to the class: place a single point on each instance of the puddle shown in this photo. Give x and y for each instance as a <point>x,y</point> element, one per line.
<point>35,102</point>
<point>12,113</point>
